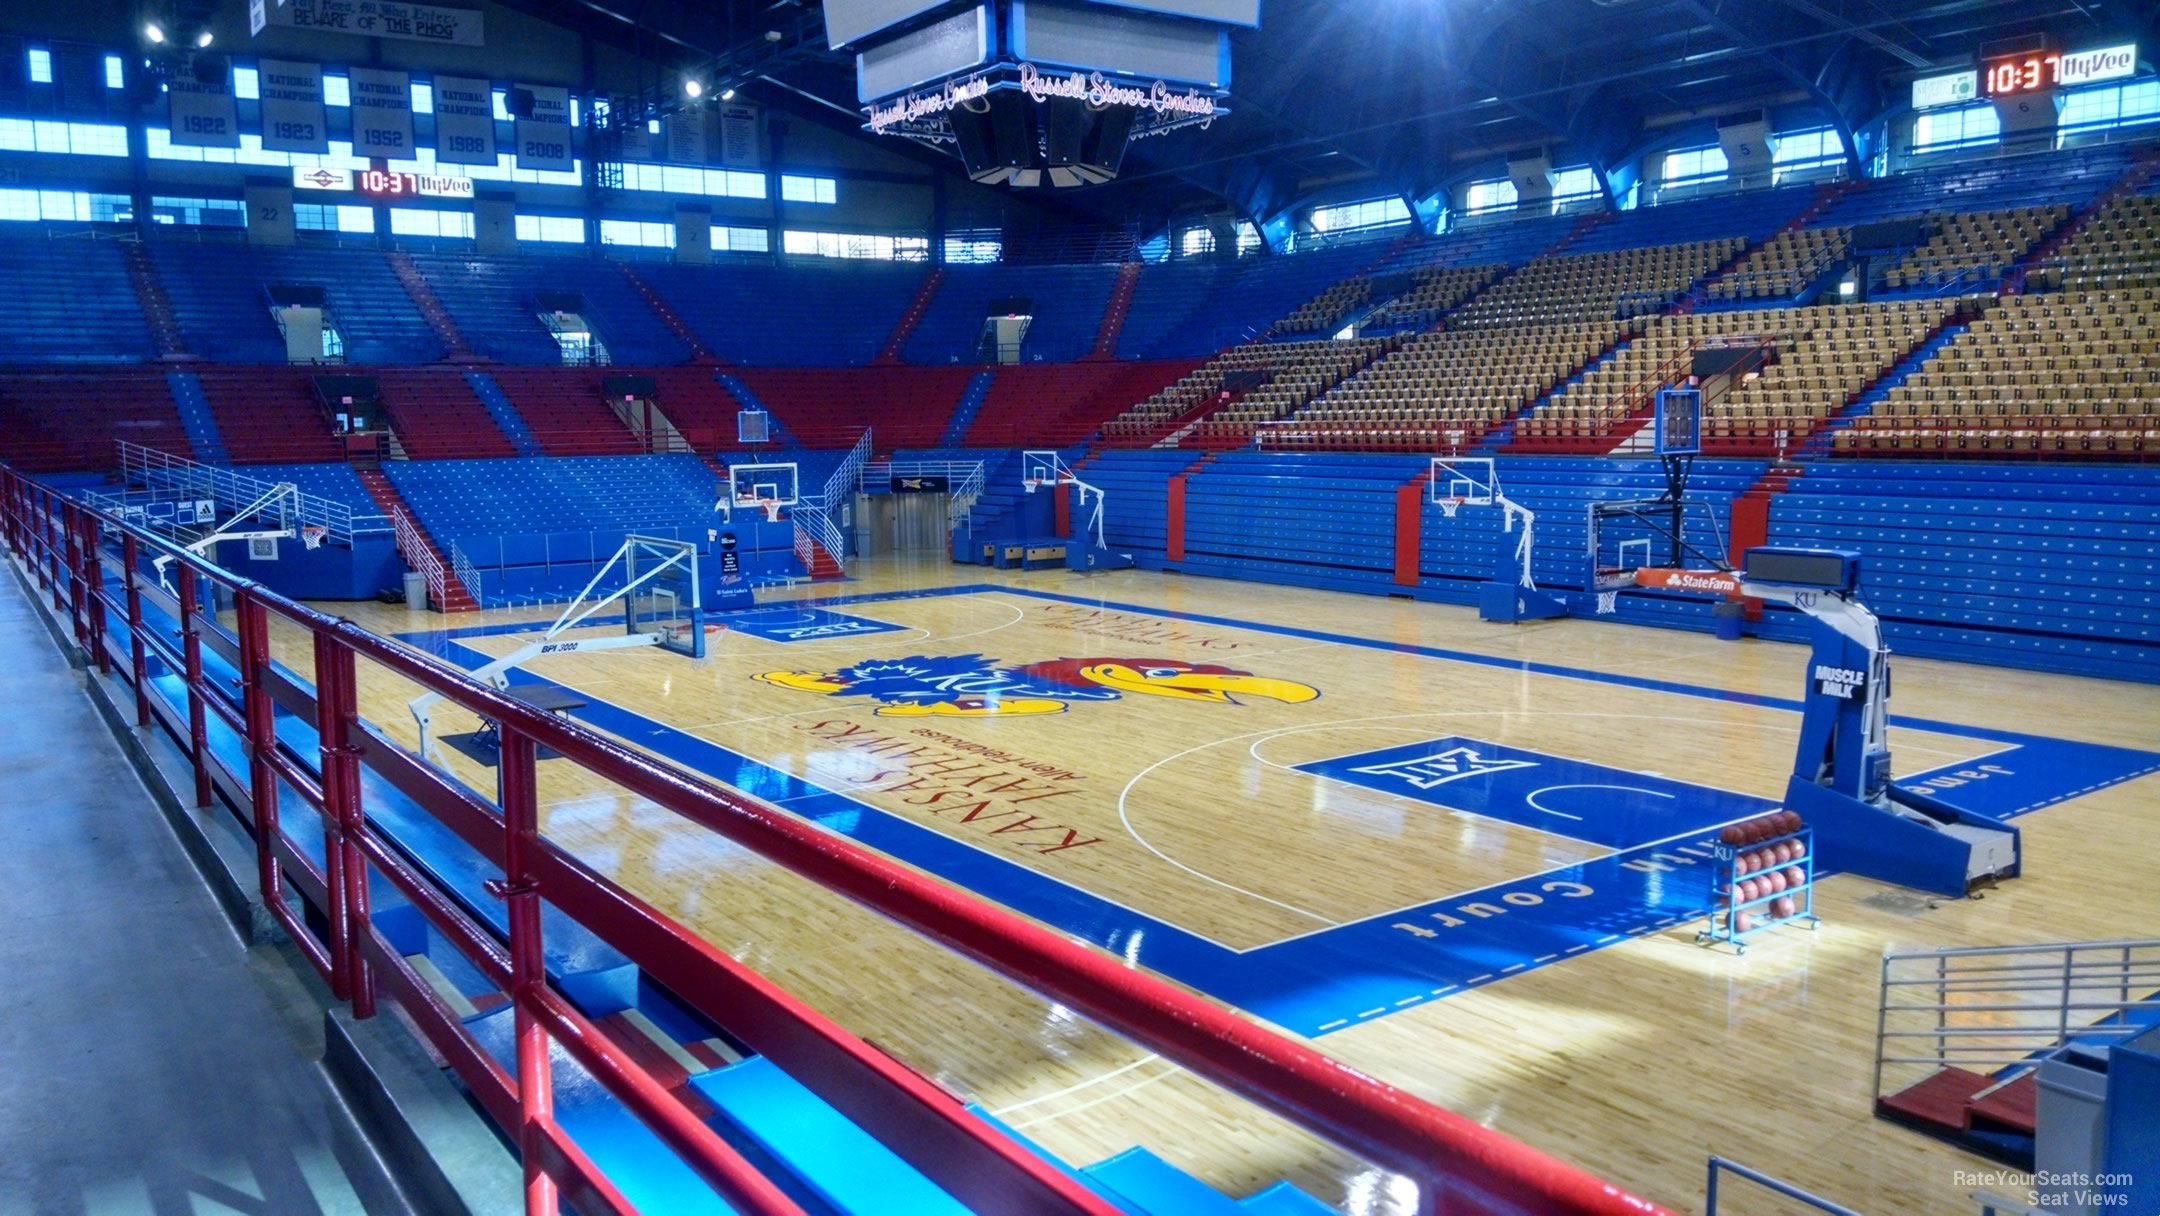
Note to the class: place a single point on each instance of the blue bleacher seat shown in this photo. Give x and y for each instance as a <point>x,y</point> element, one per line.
<point>69,299</point>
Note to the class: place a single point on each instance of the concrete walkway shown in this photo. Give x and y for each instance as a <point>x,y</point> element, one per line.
<point>148,1063</point>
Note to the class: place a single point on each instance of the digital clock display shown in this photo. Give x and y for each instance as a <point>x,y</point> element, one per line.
<point>2042,71</point>
<point>383,183</point>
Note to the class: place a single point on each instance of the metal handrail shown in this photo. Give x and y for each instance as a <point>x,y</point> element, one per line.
<point>159,470</point>
<point>1457,1164</point>
<point>419,555</point>
<point>2075,988</point>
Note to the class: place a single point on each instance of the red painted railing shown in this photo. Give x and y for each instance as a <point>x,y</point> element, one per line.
<point>1459,1166</point>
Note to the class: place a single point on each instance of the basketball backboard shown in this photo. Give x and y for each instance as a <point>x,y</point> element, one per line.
<point>1463,481</point>
<point>1678,427</point>
<point>1041,468</point>
<point>766,486</point>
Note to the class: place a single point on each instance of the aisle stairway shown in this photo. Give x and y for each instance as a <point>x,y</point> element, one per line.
<point>150,298</point>
<point>456,598</point>
<point>912,317</point>
<point>431,308</point>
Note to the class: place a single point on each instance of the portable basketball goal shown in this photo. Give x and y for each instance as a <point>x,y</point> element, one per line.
<point>662,606</point>
<point>1039,468</point>
<point>1637,542</point>
<point>267,519</point>
<point>1455,483</point>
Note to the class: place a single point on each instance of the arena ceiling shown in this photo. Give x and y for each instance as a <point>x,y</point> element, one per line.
<point>1405,92</point>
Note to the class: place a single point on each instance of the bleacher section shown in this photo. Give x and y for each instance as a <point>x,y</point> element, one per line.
<point>1446,390</point>
<point>1220,401</point>
<point>2021,319</point>
<point>535,527</point>
<point>1596,286</point>
<point>69,301</point>
<point>1749,216</point>
<point>219,300</point>
<point>1970,250</point>
<point>1998,184</point>
<point>437,416</point>
<point>54,419</point>
<point>566,409</point>
<point>803,314</point>
<point>1136,486</point>
<point>829,407</point>
<point>1066,303</point>
<point>491,300</point>
<point>2050,374</point>
<point>1784,266</point>
<point>693,399</point>
<point>336,482</point>
<point>2118,248</point>
<point>1197,307</point>
<point>2049,567</point>
<point>1315,521</point>
<point>1818,360</point>
<point>1055,406</point>
<point>268,414</point>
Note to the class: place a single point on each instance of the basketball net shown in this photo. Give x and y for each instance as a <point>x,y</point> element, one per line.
<point>1448,506</point>
<point>312,535</point>
<point>1608,602</point>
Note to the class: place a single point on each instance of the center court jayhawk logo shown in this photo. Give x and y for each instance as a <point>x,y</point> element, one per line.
<point>975,686</point>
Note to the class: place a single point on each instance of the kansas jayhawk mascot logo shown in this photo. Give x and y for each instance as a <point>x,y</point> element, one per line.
<point>973,686</point>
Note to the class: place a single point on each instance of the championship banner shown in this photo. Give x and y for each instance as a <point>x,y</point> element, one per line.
<point>634,142</point>
<point>686,137</point>
<point>371,19</point>
<point>1712,582</point>
<point>203,115</point>
<point>292,107</point>
<point>382,123</point>
<point>464,121</point>
<point>739,137</point>
<point>543,140</point>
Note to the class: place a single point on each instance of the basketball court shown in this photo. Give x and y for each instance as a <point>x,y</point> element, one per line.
<point>1472,857</point>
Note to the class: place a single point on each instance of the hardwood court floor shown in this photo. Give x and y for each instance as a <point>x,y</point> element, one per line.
<point>1184,817</point>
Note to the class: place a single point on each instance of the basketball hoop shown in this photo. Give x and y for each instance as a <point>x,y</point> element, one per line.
<point>1448,506</point>
<point>312,535</point>
<point>770,506</point>
<point>1608,602</point>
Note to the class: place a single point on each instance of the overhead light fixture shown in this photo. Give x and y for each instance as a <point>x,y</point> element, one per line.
<point>204,39</point>
<point>692,89</point>
<point>153,33</point>
<point>727,94</point>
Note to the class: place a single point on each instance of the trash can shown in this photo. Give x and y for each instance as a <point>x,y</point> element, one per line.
<point>1727,617</point>
<point>416,592</point>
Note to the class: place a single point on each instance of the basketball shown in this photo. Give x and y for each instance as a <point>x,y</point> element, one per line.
<point>1794,877</point>
<point>1742,921</point>
<point>1783,906</point>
